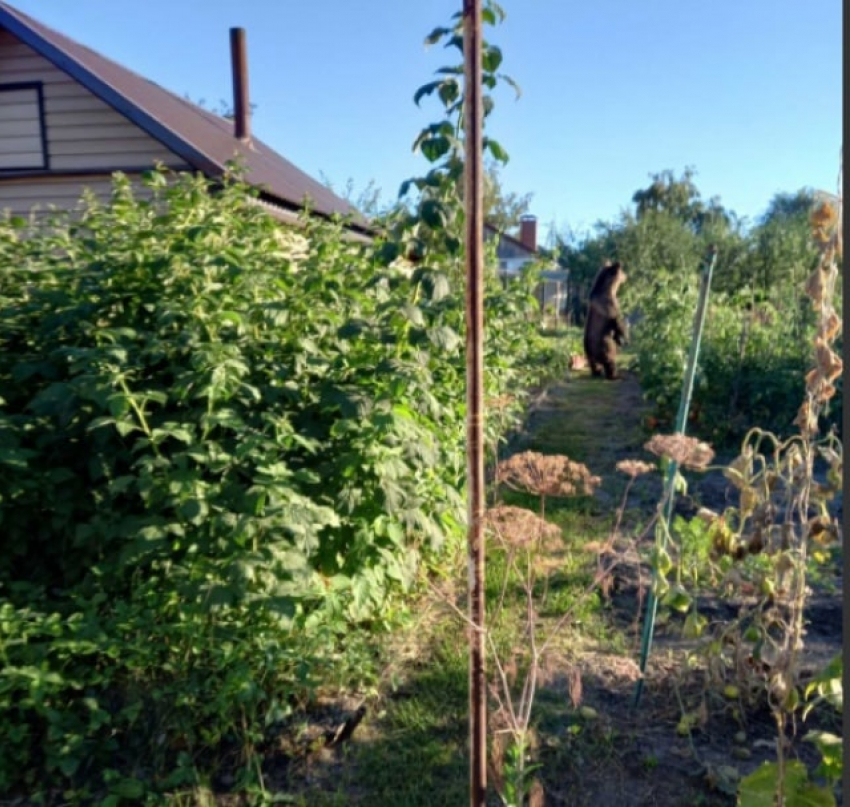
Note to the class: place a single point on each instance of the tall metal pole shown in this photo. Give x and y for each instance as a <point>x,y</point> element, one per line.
<point>672,468</point>
<point>474,209</point>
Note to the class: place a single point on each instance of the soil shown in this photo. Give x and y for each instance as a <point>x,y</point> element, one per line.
<point>634,755</point>
<point>596,745</point>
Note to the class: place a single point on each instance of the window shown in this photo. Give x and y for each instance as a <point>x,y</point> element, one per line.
<point>22,137</point>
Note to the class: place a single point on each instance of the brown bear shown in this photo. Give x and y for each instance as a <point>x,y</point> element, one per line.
<point>605,327</point>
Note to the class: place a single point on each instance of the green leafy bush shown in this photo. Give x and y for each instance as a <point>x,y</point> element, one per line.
<point>750,368</point>
<point>223,443</point>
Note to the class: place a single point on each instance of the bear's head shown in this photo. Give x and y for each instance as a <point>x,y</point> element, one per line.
<point>610,278</point>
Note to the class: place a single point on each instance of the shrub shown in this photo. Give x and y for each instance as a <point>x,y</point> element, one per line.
<point>750,366</point>
<point>223,443</point>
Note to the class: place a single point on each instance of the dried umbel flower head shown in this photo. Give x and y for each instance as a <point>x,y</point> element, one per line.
<point>547,475</point>
<point>634,468</point>
<point>519,527</point>
<point>824,218</point>
<point>500,402</point>
<point>685,451</point>
<point>807,419</point>
<point>830,326</point>
<point>829,364</point>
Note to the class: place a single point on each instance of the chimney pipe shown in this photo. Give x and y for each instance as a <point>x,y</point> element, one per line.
<point>241,106</point>
<point>528,232</point>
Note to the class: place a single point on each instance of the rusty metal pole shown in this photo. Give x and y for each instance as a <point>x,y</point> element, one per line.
<point>474,209</point>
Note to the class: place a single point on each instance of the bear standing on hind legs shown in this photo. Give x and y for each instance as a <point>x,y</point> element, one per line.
<point>604,328</point>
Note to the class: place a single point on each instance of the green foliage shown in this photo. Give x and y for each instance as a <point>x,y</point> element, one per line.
<point>518,773</point>
<point>223,445</point>
<point>181,387</point>
<point>432,231</point>
<point>827,689</point>
<point>760,787</point>
<point>502,210</point>
<point>680,199</point>
<point>141,693</point>
<point>661,338</point>
<point>751,363</point>
<point>758,332</point>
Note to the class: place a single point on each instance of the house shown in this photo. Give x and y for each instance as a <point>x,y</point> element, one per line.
<point>514,253</point>
<point>70,117</point>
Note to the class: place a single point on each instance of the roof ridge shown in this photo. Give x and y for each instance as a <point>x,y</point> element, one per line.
<point>203,140</point>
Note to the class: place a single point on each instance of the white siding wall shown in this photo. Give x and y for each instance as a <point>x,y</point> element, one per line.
<point>42,196</point>
<point>83,133</point>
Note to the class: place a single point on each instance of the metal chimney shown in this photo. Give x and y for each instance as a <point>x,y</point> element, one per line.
<point>241,105</point>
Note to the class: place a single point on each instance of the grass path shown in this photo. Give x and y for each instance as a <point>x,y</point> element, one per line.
<point>595,747</point>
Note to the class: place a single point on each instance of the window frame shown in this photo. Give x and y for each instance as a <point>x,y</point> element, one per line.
<point>38,86</point>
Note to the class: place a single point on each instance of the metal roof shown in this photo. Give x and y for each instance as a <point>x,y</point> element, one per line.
<point>532,253</point>
<point>204,140</point>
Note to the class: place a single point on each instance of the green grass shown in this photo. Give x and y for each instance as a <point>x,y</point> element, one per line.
<point>412,748</point>
<point>412,751</point>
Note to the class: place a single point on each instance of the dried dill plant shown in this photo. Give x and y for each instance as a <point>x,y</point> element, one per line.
<point>526,538</point>
<point>547,475</point>
<point>518,527</point>
<point>683,450</point>
<point>634,468</point>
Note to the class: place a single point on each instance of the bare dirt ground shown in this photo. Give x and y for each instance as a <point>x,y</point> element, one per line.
<point>595,746</point>
<point>638,755</point>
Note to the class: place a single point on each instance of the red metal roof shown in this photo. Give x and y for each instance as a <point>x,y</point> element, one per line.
<point>203,139</point>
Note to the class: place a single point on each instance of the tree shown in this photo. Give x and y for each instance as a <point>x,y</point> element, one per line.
<point>366,201</point>
<point>782,251</point>
<point>789,207</point>
<point>669,231</point>
<point>502,210</point>
<point>679,198</point>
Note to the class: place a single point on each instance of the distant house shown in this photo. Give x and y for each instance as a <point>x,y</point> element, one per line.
<point>514,253</point>
<point>70,117</point>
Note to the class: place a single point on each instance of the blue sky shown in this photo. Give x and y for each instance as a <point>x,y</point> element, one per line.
<point>748,92</point>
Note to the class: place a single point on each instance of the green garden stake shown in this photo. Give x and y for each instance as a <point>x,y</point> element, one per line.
<point>672,468</point>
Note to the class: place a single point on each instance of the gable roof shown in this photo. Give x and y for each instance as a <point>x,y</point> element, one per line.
<point>510,239</point>
<point>204,140</point>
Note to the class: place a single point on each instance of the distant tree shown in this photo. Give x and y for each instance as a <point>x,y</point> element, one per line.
<point>668,232</point>
<point>782,252</point>
<point>502,209</point>
<point>366,201</point>
<point>789,207</point>
<point>679,198</point>
<point>224,109</point>
<point>649,245</point>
